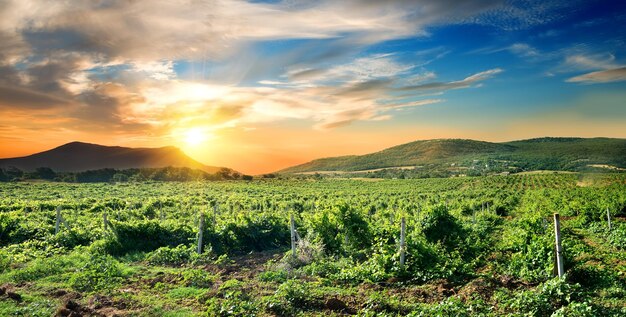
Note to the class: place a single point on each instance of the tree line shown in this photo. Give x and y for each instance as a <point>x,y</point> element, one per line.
<point>126,175</point>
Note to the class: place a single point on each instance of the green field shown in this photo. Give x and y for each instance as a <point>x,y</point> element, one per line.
<point>475,246</point>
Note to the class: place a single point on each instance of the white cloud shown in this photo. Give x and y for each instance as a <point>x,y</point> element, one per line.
<point>359,70</point>
<point>159,70</point>
<point>591,62</point>
<point>465,83</point>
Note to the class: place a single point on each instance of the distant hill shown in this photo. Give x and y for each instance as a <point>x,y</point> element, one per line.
<point>458,156</point>
<point>78,156</point>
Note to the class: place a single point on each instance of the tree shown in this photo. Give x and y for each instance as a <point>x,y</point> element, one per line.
<point>13,173</point>
<point>45,173</point>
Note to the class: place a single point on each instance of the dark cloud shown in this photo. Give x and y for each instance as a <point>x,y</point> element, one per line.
<point>103,105</point>
<point>9,75</point>
<point>17,98</point>
<point>49,77</point>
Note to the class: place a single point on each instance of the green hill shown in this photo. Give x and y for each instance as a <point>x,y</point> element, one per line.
<point>458,156</point>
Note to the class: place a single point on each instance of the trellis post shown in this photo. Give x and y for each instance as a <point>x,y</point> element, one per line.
<point>292,227</point>
<point>608,217</point>
<point>402,242</point>
<point>559,249</point>
<point>161,214</point>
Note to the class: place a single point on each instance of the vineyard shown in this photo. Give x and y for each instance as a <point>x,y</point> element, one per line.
<point>474,246</point>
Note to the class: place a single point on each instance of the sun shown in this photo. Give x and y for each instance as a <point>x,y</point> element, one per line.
<point>195,136</point>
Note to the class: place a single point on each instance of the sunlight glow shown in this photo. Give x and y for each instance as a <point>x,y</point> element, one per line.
<point>195,136</point>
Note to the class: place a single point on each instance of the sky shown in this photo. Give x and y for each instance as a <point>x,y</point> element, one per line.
<point>262,85</point>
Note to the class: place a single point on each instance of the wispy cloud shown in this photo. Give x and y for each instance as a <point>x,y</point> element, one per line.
<point>519,49</point>
<point>604,66</point>
<point>603,76</point>
<point>590,62</point>
<point>465,83</point>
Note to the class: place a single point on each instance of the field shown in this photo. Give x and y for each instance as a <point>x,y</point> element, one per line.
<point>475,246</point>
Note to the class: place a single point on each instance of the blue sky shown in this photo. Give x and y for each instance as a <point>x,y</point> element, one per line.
<point>289,81</point>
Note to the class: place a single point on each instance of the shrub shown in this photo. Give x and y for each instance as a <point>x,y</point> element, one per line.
<point>198,278</point>
<point>5,261</point>
<point>451,306</point>
<point>440,226</point>
<point>547,299</point>
<point>147,236</point>
<point>231,301</point>
<point>98,272</point>
<point>72,238</point>
<point>172,256</point>
<point>291,297</point>
<point>43,267</point>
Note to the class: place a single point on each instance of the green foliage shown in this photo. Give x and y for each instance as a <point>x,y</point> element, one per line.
<point>452,306</point>
<point>248,233</point>
<point>547,299</point>
<point>172,256</point>
<point>439,226</point>
<point>232,300</point>
<point>147,236</point>
<point>489,240</point>
<point>13,230</point>
<point>290,297</point>
<point>273,276</point>
<point>5,261</point>
<point>39,268</point>
<point>72,238</point>
<point>98,272</point>
<point>198,278</point>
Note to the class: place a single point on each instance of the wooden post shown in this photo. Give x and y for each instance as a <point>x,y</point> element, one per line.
<point>559,249</point>
<point>402,242</point>
<point>292,226</point>
<point>473,215</point>
<point>104,221</point>
<point>58,223</point>
<point>161,214</point>
<point>200,232</point>
<point>608,217</point>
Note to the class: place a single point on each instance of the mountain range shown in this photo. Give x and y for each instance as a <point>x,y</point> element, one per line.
<point>79,156</point>
<point>439,157</point>
<point>458,155</point>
